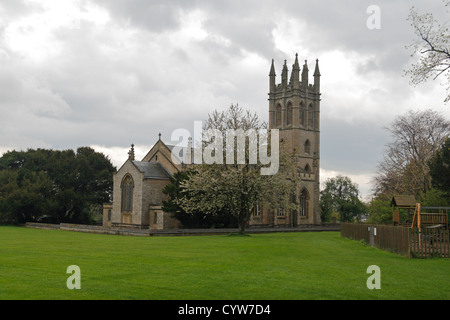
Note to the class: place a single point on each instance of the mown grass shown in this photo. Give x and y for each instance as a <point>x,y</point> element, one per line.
<point>274,266</point>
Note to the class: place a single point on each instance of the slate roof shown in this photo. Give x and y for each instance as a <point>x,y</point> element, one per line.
<point>152,170</point>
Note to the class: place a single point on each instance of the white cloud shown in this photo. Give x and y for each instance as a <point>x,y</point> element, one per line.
<point>33,35</point>
<point>192,25</point>
<point>118,155</point>
<point>288,36</point>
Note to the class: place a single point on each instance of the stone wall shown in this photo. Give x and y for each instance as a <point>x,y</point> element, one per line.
<point>176,232</point>
<point>136,215</point>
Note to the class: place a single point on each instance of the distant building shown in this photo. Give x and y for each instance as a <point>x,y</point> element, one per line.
<point>294,109</point>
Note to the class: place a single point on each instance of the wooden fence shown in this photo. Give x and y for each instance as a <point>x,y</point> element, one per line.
<point>429,242</point>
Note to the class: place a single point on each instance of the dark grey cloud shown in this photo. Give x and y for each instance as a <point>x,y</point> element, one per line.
<point>358,145</point>
<point>155,15</point>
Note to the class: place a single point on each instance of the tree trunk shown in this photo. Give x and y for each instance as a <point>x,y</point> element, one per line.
<point>242,221</point>
<point>241,228</point>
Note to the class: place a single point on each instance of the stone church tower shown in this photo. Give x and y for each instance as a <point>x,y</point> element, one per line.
<point>294,109</point>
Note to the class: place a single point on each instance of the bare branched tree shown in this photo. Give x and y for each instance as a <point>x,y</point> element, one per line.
<point>432,47</point>
<point>404,168</point>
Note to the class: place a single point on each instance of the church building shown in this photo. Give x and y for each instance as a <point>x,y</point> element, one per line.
<point>294,109</point>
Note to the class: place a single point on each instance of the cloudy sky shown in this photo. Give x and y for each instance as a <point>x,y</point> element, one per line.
<point>109,73</point>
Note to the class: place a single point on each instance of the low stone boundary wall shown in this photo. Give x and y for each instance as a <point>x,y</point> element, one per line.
<point>87,228</point>
<point>176,232</point>
<point>80,227</point>
<point>39,225</point>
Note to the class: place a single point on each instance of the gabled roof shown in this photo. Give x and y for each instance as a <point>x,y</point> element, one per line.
<point>181,157</point>
<point>167,151</point>
<point>403,201</point>
<point>151,170</point>
<point>157,146</point>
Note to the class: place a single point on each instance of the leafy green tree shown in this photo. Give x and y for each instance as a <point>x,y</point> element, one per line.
<point>440,168</point>
<point>435,198</point>
<point>57,186</point>
<point>326,207</point>
<point>94,175</point>
<point>341,195</point>
<point>24,197</point>
<point>380,211</point>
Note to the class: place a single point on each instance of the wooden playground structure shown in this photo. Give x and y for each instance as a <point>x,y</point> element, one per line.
<point>417,214</point>
<point>429,228</point>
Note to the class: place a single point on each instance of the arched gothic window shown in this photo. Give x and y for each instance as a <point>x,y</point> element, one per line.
<point>307,147</point>
<point>307,168</point>
<point>127,194</point>
<point>310,116</point>
<point>304,203</point>
<point>302,114</point>
<point>278,116</point>
<point>289,114</point>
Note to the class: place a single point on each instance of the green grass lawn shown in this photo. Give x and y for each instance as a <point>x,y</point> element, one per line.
<point>274,266</point>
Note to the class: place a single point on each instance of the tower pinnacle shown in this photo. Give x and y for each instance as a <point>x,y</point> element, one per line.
<point>316,70</point>
<point>305,74</point>
<point>295,76</point>
<point>284,74</point>
<point>272,70</point>
<point>131,153</point>
<point>317,77</point>
<point>272,76</point>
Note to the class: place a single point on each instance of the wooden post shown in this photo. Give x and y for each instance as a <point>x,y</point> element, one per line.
<point>419,226</point>
<point>372,233</point>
